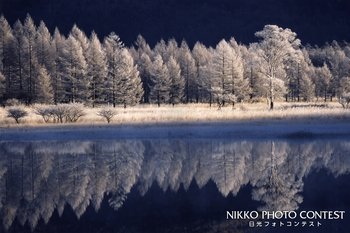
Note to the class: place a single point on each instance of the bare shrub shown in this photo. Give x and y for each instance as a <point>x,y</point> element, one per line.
<point>107,114</point>
<point>45,111</point>
<point>74,112</point>
<point>59,112</point>
<point>344,100</point>
<point>17,113</point>
<point>66,112</point>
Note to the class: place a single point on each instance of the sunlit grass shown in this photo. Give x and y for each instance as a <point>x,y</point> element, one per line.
<point>145,114</point>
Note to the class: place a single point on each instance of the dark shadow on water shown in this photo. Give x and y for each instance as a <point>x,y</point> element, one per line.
<point>192,210</point>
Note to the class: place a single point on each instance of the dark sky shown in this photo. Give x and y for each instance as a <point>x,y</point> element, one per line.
<point>208,21</point>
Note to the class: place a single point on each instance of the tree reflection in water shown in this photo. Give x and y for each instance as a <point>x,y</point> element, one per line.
<point>37,178</point>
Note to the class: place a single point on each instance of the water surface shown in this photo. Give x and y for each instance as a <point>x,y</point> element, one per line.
<point>169,185</point>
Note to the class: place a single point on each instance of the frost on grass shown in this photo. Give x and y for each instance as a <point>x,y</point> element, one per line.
<point>145,114</point>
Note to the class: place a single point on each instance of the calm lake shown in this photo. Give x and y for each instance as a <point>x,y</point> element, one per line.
<point>170,185</point>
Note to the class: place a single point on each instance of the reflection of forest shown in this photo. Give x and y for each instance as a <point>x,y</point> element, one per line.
<point>37,178</point>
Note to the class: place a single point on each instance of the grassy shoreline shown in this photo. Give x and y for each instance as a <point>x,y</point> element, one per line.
<point>191,114</point>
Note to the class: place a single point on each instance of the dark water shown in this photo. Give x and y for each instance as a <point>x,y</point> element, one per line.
<point>170,185</point>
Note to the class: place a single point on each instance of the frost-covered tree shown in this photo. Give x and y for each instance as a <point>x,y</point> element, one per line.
<point>299,71</point>
<point>338,63</point>
<point>260,83</point>
<point>188,66</point>
<point>227,70</point>
<point>323,78</point>
<point>19,47</point>
<point>161,49</point>
<point>202,57</point>
<point>113,47</point>
<point>172,50</point>
<point>276,46</point>
<point>123,80</point>
<point>177,85</point>
<point>76,83</point>
<point>129,86</point>
<point>345,85</point>
<point>30,57</point>
<point>2,85</point>
<point>96,70</point>
<point>6,53</point>
<point>344,97</point>
<point>57,72</point>
<point>44,87</point>
<point>142,46</point>
<point>250,72</point>
<point>142,56</point>
<point>240,84</point>
<point>160,82</point>
<point>81,37</point>
<point>43,46</point>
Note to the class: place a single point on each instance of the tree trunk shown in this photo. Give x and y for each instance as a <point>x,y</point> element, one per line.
<point>271,92</point>
<point>158,99</point>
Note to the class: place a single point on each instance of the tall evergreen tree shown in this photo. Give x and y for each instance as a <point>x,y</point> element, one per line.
<point>202,58</point>
<point>97,70</point>
<point>81,37</point>
<point>44,87</point>
<point>188,66</point>
<point>142,56</point>
<point>30,62</point>
<point>7,54</point>
<point>113,47</point>
<point>240,84</point>
<point>227,72</point>
<point>43,48</point>
<point>299,71</point>
<point>2,86</point>
<point>323,80</point>
<point>19,47</point>
<point>57,72</point>
<point>177,86</point>
<point>160,82</point>
<point>129,86</point>
<point>76,82</point>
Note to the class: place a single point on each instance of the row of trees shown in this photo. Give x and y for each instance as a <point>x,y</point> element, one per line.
<point>37,67</point>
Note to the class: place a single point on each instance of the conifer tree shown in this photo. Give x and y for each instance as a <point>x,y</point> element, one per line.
<point>129,86</point>
<point>113,47</point>
<point>44,87</point>
<point>96,70</point>
<point>76,83</point>
<point>177,86</point>
<point>187,65</point>
<point>160,82</point>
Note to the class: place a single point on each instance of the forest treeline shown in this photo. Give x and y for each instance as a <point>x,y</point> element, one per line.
<point>39,67</point>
